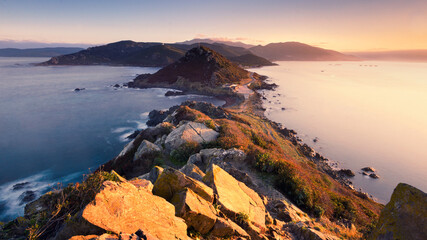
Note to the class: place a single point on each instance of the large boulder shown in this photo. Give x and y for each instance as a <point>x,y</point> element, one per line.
<point>404,217</point>
<point>153,174</point>
<point>192,171</point>
<point>197,212</point>
<point>301,231</point>
<point>124,208</point>
<point>146,148</point>
<point>216,156</point>
<point>172,181</point>
<point>236,200</point>
<point>225,228</point>
<point>190,132</point>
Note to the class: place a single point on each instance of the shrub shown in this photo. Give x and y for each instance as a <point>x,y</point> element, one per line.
<point>343,208</point>
<point>242,217</point>
<point>180,156</point>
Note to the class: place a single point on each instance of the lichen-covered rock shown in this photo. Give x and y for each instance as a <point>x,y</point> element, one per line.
<point>143,184</point>
<point>144,149</point>
<point>197,212</point>
<point>190,132</point>
<point>235,198</point>
<point>216,156</point>
<point>192,171</point>
<point>404,217</point>
<point>153,174</point>
<point>172,181</point>
<point>124,208</point>
<point>303,232</point>
<point>226,228</point>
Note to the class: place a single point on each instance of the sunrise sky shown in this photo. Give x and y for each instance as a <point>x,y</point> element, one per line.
<point>344,25</point>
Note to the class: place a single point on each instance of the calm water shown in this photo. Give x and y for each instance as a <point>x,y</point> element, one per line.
<point>364,114</point>
<point>49,133</point>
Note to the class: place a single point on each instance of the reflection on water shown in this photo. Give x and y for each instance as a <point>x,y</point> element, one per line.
<point>363,113</point>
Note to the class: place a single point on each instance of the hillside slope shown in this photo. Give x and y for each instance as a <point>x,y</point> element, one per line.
<point>295,51</point>
<point>37,52</point>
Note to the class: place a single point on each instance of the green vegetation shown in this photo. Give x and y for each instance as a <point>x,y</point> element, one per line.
<point>242,217</point>
<point>180,156</point>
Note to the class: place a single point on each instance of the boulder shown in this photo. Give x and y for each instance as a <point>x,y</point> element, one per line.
<point>192,171</point>
<point>235,198</point>
<point>285,211</point>
<point>172,181</point>
<point>197,212</point>
<point>368,169</point>
<point>404,217</point>
<point>153,174</point>
<point>146,148</point>
<point>374,175</point>
<point>303,232</point>
<point>190,132</point>
<point>209,156</point>
<point>143,184</point>
<point>346,172</point>
<point>27,196</point>
<point>226,228</point>
<point>124,208</point>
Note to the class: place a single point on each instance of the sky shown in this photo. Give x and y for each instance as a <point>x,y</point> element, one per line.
<point>343,25</point>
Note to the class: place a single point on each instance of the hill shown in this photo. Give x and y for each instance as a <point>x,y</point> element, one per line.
<point>37,52</point>
<point>212,41</point>
<point>129,53</point>
<point>251,60</point>
<point>295,51</point>
<point>200,67</point>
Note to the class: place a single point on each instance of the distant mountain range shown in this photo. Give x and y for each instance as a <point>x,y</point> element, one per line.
<point>129,53</point>
<point>211,41</point>
<point>155,54</point>
<point>38,52</point>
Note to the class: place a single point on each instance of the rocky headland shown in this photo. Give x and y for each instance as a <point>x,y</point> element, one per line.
<point>205,172</point>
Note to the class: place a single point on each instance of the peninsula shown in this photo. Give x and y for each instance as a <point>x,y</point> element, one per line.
<point>206,172</point>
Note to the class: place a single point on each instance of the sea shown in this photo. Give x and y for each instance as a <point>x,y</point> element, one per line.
<point>357,114</point>
<point>51,135</point>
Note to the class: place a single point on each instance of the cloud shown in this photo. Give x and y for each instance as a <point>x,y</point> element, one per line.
<point>228,39</point>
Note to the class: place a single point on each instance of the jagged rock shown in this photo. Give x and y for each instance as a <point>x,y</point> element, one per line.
<point>374,175</point>
<point>197,212</point>
<point>404,217</point>
<point>123,208</point>
<point>286,211</point>
<point>134,134</point>
<point>105,236</point>
<point>190,132</point>
<point>146,148</point>
<point>235,198</point>
<point>210,156</point>
<point>153,174</point>
<point>307,151</point>
<point>19,186</point>
<point>143,184</point>
<point>172,181</point>
<point>368,169</point>
<point>192,171</point>
<point>208,108</point>
<point>303,232</point>
<point>226,228</point>
<point>346,172</point>
<point>27,196</point>
<point>160,142</point>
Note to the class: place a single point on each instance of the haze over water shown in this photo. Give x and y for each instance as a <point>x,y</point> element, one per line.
<point>364,114</point>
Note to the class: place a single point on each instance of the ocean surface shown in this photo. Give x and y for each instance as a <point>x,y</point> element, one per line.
<point>50,134</point>
<point>363,114</point>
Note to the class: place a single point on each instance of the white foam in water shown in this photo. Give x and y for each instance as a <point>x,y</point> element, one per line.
<point>121,129</point>
<point>39,183</point>
<point>123,137</point>
<point>144,115</point>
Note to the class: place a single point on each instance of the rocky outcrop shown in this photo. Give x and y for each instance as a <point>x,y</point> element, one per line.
<point>236,200</point>
<point>225,228</point>
<point>123,208</point>
<point>404,217</point>
<point>197,212</point>
<point>190,132</point>
<point>172,181</point>
<point>146,148</point>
